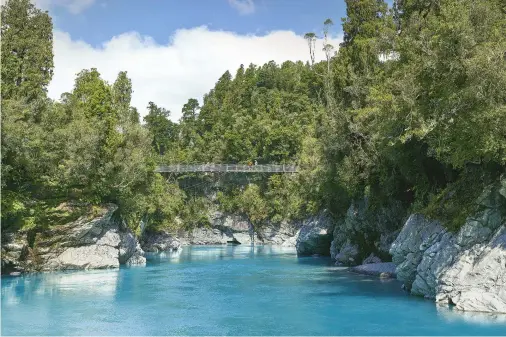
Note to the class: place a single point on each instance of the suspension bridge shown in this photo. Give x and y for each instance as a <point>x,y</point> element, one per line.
<point>268,168</point>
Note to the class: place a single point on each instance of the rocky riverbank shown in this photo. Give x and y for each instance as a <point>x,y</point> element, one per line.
<point>364,236</point>
<point>466,269</point>
<point>310,236</point>
<point>96,241</point>
<point>93,241</point>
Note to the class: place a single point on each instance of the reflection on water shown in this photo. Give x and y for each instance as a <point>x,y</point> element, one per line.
<point>220,252</point>
<point>485,318</point>
<point>90,283</point>
<point>227,290</point>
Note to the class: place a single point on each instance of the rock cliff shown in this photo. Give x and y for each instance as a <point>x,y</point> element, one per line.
<point>364,235</point>
<point>93,241</point>
<point>315,235</point>
<point>466,269</point>
<point>310,236</point>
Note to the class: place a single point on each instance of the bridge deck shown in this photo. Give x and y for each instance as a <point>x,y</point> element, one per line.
<point>228,168</point>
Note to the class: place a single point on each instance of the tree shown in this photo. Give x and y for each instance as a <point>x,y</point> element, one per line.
<point>93,96</point>
<point>122,96</point>
<point>190,110</point>
<point>27,50</point>
<point>162,129</point>
<point>311,40</point>
<point>327,47</point>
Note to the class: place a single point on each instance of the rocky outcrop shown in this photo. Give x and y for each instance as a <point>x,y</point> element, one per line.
<point>280,234</point>
<point>364,231</point>
<point>237,229</point>
<point>371,259</point>
<point>130,251</point>
<point>407,250</point>
<point>159,241</point>
<point>467,268</point>
<point>311,236</point>
<point>223,229</point>
<point>93,241</point>
<point>347,254</point>
<point>315,235</point>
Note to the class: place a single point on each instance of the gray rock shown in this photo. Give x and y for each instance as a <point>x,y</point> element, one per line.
<point>14,251</point>
<point>93,241</point>
<point>159,242</point>
<point>282,234</point>
<point>348,254</point>
<point>382,269</point>
<point>207,236</point>
<point>407,250</point>
<point>371,259</point>
<point>85,257</point>
<point>476,281</point>
<point>130,251</point>
<point>364,231</point>
<point>315,236</point>
<point>236,228</point>
<point>224,228</point>
<point>467,268</point>
<point>434,260</point>
<point>82,244</point>
<point>137,259</point>
<point>127,247</point>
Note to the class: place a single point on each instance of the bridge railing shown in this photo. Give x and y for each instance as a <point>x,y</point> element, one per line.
<point>284,168</point>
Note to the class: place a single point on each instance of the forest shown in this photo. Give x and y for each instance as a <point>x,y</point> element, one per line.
<point>409,108</point>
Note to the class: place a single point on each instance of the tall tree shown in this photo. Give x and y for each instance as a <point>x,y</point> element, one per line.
<point>162,129</point>
<point>122,96</point>
<point>27,50</point>
<point>93,95</point>
<point>311,40</point>
<point>190,110</point>
<point>122,91</point>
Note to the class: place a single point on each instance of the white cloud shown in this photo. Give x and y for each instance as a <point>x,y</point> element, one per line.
<point>244,7</point>
<point>170,74</point>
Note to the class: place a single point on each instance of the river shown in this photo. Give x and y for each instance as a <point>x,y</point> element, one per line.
<point>226,290</point>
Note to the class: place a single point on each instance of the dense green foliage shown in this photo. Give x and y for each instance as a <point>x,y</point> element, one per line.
<point>411,107</point>
<point>88,148</point>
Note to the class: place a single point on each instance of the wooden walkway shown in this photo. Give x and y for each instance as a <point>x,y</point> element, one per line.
<point>271,168</point>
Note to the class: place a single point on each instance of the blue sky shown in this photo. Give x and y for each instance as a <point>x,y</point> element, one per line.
<point>104,19</point>
<point>174,50</point>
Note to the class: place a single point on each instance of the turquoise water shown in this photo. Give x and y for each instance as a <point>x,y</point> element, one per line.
<point>226,290</point>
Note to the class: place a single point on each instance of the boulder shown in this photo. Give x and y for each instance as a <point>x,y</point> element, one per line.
<point>371,259</point>
<point>315,236</point>
<point>85,257</point>
<point>159,241</point>
<point>348,254</point>
<point>14,252</point>
<point>476,280</point>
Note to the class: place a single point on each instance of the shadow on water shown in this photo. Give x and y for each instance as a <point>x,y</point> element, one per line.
<point>482,318</point>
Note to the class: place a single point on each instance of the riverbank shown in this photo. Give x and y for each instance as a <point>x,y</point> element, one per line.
<point>464,269</point>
